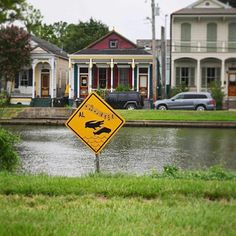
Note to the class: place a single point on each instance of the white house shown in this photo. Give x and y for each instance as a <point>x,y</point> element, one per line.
<point>203,38</point>
<point>45,78</point>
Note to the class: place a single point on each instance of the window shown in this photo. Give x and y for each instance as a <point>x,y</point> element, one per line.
<point>211,37</point>
<point>26,77</point>
<point>143,70</point>
<point>185,37</point>
<point>83,70</point>
<point>232,37</point>
<point>113,43</point>
<point>210,75</point>
<point>124,76</point>
<point>185,76</point>
<point>102,78</point>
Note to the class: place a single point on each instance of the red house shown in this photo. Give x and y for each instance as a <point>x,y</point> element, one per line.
<point>110,62</point>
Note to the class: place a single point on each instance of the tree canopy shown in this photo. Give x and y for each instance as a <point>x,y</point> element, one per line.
<point>71,37</point>
<point>10,10</point>
<point>14,51</point>
<point>231,2</point>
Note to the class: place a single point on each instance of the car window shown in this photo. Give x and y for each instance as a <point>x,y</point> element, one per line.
<point>201,96</point>
<point>181,96</point>
<point>194,96</point>
<point>189,96</point>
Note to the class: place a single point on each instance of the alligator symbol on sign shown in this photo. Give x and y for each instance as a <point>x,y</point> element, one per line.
<point>94,124</point>
<point>102,130</point>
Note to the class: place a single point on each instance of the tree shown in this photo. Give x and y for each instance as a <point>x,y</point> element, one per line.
<point>71,37</point>
<point>81,35</point>
<point>31,18</point>
<point>231,2</point>
<point>14,51</point>
<point>10,10</point>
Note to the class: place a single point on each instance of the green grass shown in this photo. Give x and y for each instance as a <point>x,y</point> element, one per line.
<point>178,115</point>
<point>117,205</point>
<point>9,113</point>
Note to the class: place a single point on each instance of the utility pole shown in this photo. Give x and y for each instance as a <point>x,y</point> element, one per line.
<point>154,54</point>
<point>163,61</point>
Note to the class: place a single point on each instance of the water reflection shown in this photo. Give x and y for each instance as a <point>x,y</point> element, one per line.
<point>56,151</point>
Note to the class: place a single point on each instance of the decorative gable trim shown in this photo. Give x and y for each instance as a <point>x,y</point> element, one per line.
<point>107,35</point>
<point>215,2</point>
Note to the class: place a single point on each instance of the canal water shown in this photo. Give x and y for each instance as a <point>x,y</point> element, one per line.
<point>57,151</point>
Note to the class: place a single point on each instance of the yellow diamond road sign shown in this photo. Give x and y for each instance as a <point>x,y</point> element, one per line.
<point>95,122</point>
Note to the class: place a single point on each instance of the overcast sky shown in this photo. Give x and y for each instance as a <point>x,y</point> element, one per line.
<point>128,17</point>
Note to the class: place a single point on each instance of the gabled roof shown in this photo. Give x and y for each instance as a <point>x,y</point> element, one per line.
<point>49,47</point>
<point>134,51</point>
<point>221,9</point>
<point>93,50</point>
<point>107,35</point>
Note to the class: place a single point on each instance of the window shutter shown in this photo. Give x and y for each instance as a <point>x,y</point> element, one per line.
<point>185,37</point>
<point>17,81</point>
<point>212,32</point>
<point>30,80</point>
<point>232,32</point>
<point>211,37</point>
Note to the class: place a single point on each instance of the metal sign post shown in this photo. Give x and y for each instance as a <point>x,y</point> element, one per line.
<point>97,170</point>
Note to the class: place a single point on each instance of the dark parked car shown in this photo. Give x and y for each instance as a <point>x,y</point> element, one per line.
<point>188,101</point>
<point>125,100</point>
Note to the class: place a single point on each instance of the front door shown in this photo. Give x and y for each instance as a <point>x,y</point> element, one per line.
<point>83,86</point>
<point>232,84</point>
<point>143,85</point>
<point>45,85</point>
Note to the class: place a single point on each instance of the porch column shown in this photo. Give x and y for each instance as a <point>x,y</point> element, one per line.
<point>133,67</point>
<point>70,79</point>
<point>198,77</point>
<point>53,76</point>
<point>90,76</point>
<point>173,79</point>
<point>33,82</point>
<point>222,73</point>
<point>149,82</point>
<point>112,77</point>
<point>137,78</point>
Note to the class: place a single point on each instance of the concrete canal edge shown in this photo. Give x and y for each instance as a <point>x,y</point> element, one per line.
<point>58,116</point>
<point>134,123</point>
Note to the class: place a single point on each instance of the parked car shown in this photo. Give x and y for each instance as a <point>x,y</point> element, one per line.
<point>188,101</point>
<point>125,100</point>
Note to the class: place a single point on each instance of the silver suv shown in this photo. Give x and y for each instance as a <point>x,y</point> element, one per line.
<point>187,101</point>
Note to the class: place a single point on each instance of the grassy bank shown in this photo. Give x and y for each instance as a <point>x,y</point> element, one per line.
<point>179,115</point>
<point>118,205</point>
<point>8,113</point>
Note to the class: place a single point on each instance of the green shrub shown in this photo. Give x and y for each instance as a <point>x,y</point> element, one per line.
<point>178,89</point>
<point>102,92</point>
<point>3,99</point>
<point>8,157</point>
<point>122,88</point>
<point>217,94</point>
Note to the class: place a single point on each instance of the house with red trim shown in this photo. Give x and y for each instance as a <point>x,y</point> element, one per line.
<point>110,62</point>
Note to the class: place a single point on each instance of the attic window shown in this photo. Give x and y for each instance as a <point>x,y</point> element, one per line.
<point>207,4</point>
<point>113,43</point>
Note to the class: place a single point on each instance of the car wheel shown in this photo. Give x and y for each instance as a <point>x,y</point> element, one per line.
<point>200,108</point>
<point>162,107</point>
<point>131,107</point>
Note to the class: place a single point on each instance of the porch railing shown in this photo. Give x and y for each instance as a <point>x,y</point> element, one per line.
<point>203,46</point>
